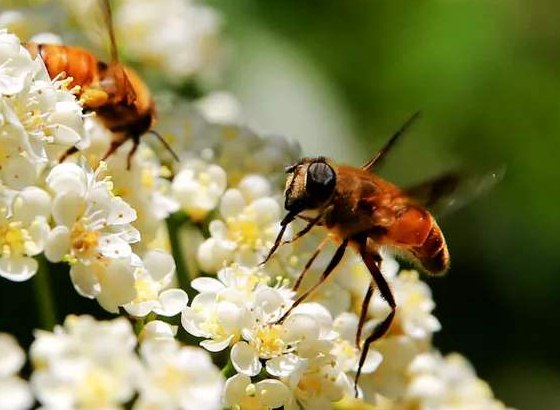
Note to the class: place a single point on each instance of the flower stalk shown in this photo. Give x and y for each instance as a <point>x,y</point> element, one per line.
<point>44,296</point>
<point>175,223</point>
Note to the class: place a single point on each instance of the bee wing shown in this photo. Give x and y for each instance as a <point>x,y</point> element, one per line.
<point>379,155</point>
<point>453,190</point>
<point>122,85</point>
<point>108,19</point>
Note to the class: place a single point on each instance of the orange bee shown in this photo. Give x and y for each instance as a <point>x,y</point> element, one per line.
<point>115,92</point>
<point>365,212</point>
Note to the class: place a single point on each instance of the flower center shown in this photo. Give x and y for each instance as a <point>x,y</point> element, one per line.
<point>270,342</point>
<point>84,241</point>
<point>12,239</point>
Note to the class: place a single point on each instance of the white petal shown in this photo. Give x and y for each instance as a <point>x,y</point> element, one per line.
<point>254,186</point>
<point>232,203</point>
<point>85,280</point>
<point>285,365</point>
<point>111,246</point>
<point>117,285</point>
<point>67,177</point>
<point>58,243</point>
<point>245,359</point>
<point>207,285</point>
<point>272,393</point>
<point>30,203</point>
<point>120,213</point>
<point>18,269</point>
<point>67,208</point>
<point>172,302</point>
<point>216,345</point>
<point>12,357</point>
<point>159,264</point>
<point>15,394</point>
<point>235,389</point>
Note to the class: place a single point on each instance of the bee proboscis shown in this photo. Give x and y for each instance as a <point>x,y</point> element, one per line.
<point>114,92</point>
<point>365,212</point>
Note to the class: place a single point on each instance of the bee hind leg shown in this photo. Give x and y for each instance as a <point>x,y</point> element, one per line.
<point>372,261</point>
<point>67,153</point>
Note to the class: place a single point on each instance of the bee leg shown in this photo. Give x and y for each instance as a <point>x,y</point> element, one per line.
<point>332,264</point>
<point>284,224</point>
<point>371,260</point>
<point>309,263</point>
<point>69,151</point>
<point>363,314</point>
<point>310,224</point>
<point>115,144</point>
<point>135,143</point>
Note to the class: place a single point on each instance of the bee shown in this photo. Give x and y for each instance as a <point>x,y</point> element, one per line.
<point>114,92</point>
<point>365,212</point>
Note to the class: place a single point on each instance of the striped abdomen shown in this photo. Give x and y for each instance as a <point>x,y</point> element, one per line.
<point>75,62</point>
<point>416,232</point>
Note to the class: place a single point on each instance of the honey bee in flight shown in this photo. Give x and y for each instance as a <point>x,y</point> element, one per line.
<point>114,92</point>
<point>365,212</point>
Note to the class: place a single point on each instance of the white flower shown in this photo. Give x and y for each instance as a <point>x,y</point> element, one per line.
<point>198,187</point>
<point>144,186</point>
<point>93,233</point>
<point>14,392</point>
<point>85,364</point>
<point>178,38</point>
<point>250,224</point>
<point>414,306</point>
<point>151,281</point>
<point>264,395</point>
<point>91,222</point>
<point>439,383</point>
<point>177,377</point>
<point>221,107</point>
<point>39,118</point>
<point>24,237</point>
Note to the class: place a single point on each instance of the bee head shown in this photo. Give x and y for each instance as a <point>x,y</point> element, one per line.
<point>310,184</point>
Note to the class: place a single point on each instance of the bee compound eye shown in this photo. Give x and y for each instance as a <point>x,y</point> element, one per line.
<point>321,179</point>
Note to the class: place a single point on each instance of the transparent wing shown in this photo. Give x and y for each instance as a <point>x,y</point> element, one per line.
<point>453,190</point>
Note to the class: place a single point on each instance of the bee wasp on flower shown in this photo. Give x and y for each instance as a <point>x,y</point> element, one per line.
<point>363,211</point>
<point>114,91</point>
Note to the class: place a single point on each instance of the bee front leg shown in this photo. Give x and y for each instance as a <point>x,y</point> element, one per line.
<point>337,257</point>
<point>372,259</point>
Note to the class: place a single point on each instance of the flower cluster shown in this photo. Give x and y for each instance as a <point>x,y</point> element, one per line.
<point>86,364</point>
<point>140,239</point>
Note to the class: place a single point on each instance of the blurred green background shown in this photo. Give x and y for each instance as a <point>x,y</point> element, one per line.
<point>341,76</point>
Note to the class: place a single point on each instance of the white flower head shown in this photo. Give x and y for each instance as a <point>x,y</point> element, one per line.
<point>177,376</point>
<point>440,383</point>
<point>198,187</point>
<point>248,228</point>
<point>85,364</point>
<point>91,222</point>
<point>144,186</point>
<point>15,394</point>
<point>23,233</point>
<point>39,118</point>
<point>152,292</point>
<point>266,394</point>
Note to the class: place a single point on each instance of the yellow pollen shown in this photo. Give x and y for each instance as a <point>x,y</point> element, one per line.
<point>12,239</point>
<point>84,241</point>
<point>148,179</point>
<point>270,342</point>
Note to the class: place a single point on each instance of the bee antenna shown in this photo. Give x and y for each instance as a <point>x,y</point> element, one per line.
<point>165,144</point>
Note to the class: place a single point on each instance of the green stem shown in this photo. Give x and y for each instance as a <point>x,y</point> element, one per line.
<point>174,224</point>
<point>228,369</point>
<point>44,296</point>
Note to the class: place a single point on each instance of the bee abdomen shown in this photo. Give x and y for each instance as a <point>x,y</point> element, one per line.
<point>433,254</point>
<point>75,62</point>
